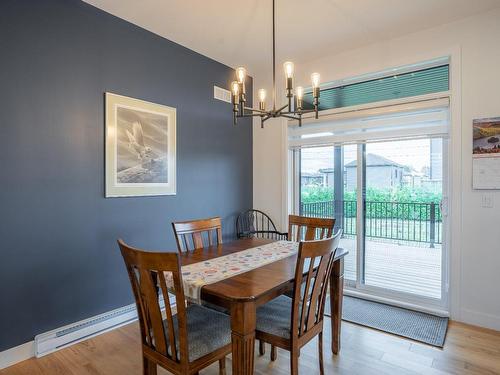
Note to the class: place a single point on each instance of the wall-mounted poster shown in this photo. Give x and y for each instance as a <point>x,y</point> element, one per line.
<point>140,147</point>
<point>486,153</point>
<point>486,134</point>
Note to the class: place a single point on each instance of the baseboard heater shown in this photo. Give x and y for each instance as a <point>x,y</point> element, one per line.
<point>63,337</point>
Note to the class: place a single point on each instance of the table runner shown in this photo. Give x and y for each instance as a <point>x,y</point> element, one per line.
<point>197,275</point>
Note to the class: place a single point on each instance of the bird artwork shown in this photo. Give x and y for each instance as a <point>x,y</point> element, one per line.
<point>136,142</point>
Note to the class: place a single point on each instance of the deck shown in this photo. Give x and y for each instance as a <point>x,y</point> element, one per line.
<point>409,268</point>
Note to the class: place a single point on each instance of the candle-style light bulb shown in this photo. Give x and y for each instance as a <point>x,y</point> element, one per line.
<point>262,95</point>
<point>288,66</point>
<point>240,74</point>
<point>315,77</point>
<point>262,99</point>
<point>299,91</point>
<point>235,88</point>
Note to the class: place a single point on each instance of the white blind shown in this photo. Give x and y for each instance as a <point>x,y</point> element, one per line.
<point>415,120</point>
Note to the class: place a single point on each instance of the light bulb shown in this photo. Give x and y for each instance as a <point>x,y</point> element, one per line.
<point>240,74</point>
<point>299,91</point>
<point>315,80</point>
<point>262,95</point>
<point>288,69</point>
<point>235,87</point>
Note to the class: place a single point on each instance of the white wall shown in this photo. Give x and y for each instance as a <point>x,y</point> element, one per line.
<point>474,44</point>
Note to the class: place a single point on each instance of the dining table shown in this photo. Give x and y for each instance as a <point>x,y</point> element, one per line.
<point>242,293</point>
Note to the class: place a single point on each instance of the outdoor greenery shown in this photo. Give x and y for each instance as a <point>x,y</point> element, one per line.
<point>312,194</point>
<point>405,203</point>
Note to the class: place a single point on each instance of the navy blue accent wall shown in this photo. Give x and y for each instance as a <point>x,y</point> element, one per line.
<point>59,262</point>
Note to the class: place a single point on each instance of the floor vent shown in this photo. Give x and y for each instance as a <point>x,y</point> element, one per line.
<point>52,341</point>
<point>222,94</point>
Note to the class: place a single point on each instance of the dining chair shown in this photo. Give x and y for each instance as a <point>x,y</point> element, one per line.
<point>182,343</point>
<point>302,228</point>
<point>196,234</point>
<point>308,229</point>
<point>290,323</point>
<point>256,223</point>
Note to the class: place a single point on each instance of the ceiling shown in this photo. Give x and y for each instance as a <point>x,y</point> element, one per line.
<point>238,32</point>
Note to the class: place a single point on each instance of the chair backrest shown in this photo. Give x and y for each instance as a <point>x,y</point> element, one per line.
<point>255,223</point>
<point>302,228</point>
<point>146,271</point>
<point>196,234</point>
<point>312,274</point>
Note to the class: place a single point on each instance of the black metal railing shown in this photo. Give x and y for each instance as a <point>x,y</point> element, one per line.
<point>413,221</point>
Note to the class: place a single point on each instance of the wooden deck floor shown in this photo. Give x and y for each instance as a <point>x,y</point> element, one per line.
<point>468,350</point>
<point>400,267</point>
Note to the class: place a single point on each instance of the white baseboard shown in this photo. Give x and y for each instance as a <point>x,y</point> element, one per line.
<point>477,318</point>
<point>18,354</point>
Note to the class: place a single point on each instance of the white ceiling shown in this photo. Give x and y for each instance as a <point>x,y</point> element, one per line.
<point>238,32</point>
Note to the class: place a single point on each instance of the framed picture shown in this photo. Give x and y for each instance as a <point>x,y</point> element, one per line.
<point>140,148</point>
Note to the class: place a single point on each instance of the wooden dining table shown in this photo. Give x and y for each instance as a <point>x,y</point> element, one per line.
<point>243,293</point>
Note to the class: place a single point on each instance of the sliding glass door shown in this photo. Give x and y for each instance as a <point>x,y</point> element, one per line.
<point>402,220</point>
<point>386,197</point>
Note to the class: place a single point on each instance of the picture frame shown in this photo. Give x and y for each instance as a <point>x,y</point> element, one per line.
<point>140,147</point>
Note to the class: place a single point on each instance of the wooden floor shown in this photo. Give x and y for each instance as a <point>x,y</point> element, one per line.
<point>468,350</point>
<point>406,268</point>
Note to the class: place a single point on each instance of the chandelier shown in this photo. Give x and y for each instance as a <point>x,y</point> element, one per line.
<point>292,110</point>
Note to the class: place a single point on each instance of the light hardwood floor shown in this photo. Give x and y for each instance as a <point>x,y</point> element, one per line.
<point>468,350</point>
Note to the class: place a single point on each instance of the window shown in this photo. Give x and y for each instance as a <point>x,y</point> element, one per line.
<point>378,169</point>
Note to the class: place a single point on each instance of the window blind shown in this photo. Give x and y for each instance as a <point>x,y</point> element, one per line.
<point>394,86</point>
<point>429,118</point>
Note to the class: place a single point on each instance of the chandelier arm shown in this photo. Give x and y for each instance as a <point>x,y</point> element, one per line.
<point>256,110</point>
<point>251,115</point>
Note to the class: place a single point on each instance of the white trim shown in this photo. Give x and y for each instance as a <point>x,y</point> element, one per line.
<point>480,319</point>
<point>17,354</point>
<point>398,303</point>
<point>285,166</point>
<point>438,99</point>
<point>455,217</point>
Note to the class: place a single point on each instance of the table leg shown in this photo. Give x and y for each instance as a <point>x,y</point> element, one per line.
<point>243,317</point>
<point>336,294</point>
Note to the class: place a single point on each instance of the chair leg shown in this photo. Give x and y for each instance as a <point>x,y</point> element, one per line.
<point>149,366</point>
<point>222,366</point>
<point>320,350</point>
<point>274,353</point>
<point>294,362</point>
<point>262,347</point>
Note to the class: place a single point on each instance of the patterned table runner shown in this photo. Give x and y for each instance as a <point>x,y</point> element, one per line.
<point>197,275</point>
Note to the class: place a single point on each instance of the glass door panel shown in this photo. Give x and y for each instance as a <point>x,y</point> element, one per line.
<point>328,188</point>
<point>402,216</point>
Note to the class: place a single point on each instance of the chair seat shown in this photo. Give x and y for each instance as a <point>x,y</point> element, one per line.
<point>275,317</point>
<point>207,331</point>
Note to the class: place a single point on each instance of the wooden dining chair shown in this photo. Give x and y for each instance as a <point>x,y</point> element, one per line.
<point>196,234</point>
<point>290,323</point>
<point>182,343</point>
<point>302,228</point>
